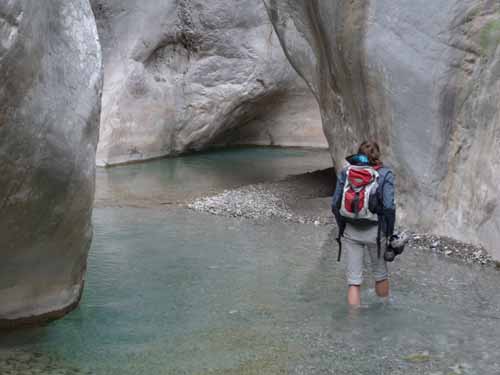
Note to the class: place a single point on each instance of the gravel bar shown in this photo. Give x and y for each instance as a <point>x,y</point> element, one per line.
<point>280,200</point>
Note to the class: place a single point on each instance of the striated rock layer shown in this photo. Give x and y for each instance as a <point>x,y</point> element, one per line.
<point>423,78</point>
<point>50,85</point>
<point>179,74</point>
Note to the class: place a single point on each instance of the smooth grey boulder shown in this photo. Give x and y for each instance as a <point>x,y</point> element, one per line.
<point>179,74</point>
<point>423,78</point>
<point>50,86</point>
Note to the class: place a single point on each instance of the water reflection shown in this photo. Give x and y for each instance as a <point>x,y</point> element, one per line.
<point>167,181</point>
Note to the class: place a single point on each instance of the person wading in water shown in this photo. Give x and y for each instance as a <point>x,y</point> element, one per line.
<point>364,208</point>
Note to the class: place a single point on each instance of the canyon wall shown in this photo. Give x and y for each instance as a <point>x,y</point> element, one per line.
<point>422,78</point>
<point>50,87</point>
<point>290,119</point>
<point>180,74</point>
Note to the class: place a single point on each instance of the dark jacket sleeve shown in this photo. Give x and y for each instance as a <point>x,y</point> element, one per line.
<point>337,195</point>
<point>388,203</point>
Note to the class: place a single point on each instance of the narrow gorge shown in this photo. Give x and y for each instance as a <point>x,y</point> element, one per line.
<point>166,172</point>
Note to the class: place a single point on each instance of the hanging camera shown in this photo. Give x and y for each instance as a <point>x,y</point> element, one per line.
<point>395,246</point>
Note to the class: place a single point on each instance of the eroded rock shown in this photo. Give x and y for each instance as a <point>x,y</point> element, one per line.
<point>179,74</point>
<point>50,85</point>
<point>423,78</point>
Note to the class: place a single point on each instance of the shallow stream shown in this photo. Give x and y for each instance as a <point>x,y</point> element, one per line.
<point>172,291</point>
<point>170,181</point>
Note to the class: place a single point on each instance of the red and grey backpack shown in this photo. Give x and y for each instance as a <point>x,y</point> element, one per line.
<point>359,201</point>
<point>360,197</point>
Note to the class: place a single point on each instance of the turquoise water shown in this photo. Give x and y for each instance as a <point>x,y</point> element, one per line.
<point>176,180</point>
<point>171,291</point>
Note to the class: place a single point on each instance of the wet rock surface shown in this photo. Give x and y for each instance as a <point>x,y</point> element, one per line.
<point>50,86</point>
<point>179,74</point>
<point>423,79</point>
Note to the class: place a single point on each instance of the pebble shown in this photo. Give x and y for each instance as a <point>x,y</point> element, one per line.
<point>250,202</point>
<point>269,200</point>
<point>451,247</point>
<point>26,363</point>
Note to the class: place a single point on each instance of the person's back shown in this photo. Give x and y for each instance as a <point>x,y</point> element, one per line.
<point>370,229</point>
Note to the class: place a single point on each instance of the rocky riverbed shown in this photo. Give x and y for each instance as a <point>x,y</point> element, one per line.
<point>31,363</point>
<point>305,199</point>
<point>299,199</point>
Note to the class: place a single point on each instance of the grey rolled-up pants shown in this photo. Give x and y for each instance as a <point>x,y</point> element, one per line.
<point>358,241</point>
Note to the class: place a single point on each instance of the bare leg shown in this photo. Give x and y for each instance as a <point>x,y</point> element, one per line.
<point>382,288</point>
<point>354,295</point>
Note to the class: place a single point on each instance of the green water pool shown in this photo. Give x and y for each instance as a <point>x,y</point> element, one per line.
<point>172,291</point>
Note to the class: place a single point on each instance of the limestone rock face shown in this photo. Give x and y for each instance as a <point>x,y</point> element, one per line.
<point>50,85</point>
<point>178,74</point>
<point>423,78</point>
<point>291,118</point>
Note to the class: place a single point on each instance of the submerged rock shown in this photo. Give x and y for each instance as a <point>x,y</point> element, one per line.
<point>26,363</point>
<point>179,74</point>
<point>418,357</point>
<point>50,84</point>
<point>423,78</point>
